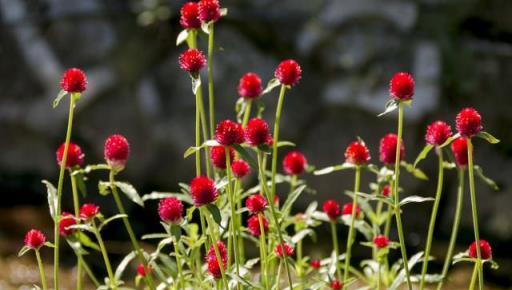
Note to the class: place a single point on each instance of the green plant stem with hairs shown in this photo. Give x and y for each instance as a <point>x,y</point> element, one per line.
<point>211,98</point>
<point>232,204</point>
<point>104,253</point>
<point>42,273</point>
<point>76,206</point>
<point>247,112</point>
<point>181,280</point>
<point>474,276</point>
<point>263,252</point>
<point>336,248</point>
<point>351,231</point>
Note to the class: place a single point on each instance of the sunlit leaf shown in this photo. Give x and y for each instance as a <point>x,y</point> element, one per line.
<point>52,198</point>
<point>480,173</point>
<point>415,199</point>
<point>123,264</point>
<point>488,137</point>
<point>331,169</point>
<point>273,83</point>
<point>182,37</point>
<point>59,97</point>
<point>390,106</point>
<point>423,154</point>
<point>130,192</point>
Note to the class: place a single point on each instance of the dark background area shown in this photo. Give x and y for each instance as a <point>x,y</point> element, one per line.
<point>460,53</point>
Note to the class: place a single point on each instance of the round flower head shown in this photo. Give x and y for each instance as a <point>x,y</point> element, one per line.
<point>294,163</point>
<point>255,203</point>
<point>437,133</point>
<point>336,285</point>
<point>34,239</point>
<point>468,122</point>
<point>347,210</point>
<point>74,158</point>
<point>116,152</point>
<point>387,149</point>
<point>170,210</point>
<point>288,72</point>
<point>203,191</point>
<point>209,10</point>
<point>381,242</point>
<point>66,220</point>
<point>240,168</point>
<point>141,270</point>
<point>249,86</point>
<point>357,153</point>
<point>386,191</point>
<point>89,211</point>
<point>189,16</point>
<point>218,156</point>
<point>222,251</point>
<point>212,262</point>
<point>253,225</point>
<point>315,264</point>
<point>485,250</point>
<point>332,209</point>
<point>228,133</point>
<point>288,251</point>
<point>401,86</point>
<point>73,81</point>
<point>460,151</point>
<point>256,132</point>
<point>192,61</point>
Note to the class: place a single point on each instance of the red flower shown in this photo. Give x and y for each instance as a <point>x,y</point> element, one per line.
<point>256,132</point>
<point>116,152</point>
<point>485,250</point>
<point>66,220</point>
<point>240,168</point>
<point>315,264</point>
<point>294,163</point>
<point>386,191</point>
<point>189,18</point>
<point>228,133</point>
<point>468,122</point>
<point>332,209</point>
<point>192,61</point>
<point>209,10</point>
<point>387,149</point>
<point>89,211</point>
<point>34,239</point>
<point>218,156</point>
<point>249,86</point>
<point>381,242</point>
<point>276,201</point>
<point>253,225</point>
<point>203,191</point>
<point>288,72</point>
<point>212,261</point>
<point>73,81</point>
<point>222,251</point>
<point>336,285</point>
<point>401,86</point>
<point>288,250</point>
<point>74,158</point>
<point>256,203</point>
<point>437,133</point>
<point>347,210</point>
<point>170,210</point>
<point>460,151</point>
<point>357,153</point>
<point>141,271</point>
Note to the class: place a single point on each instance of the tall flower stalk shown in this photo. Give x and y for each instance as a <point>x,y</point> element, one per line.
<point>351,231</point>
<point>104,253</point>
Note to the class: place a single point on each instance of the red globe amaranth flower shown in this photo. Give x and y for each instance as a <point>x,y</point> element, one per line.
<point>116,152</point>
<point>212,262</point>
<point>222,251</point>
<point>386,191</point>
<point>34,239</point>
<point>203,191</point>
<point>73,81</point>
<point>170,210</point>
<point>485,250</point>
<point>228,133</point>
<point>332,209</point>
<point>294,163</point>
<point>192,61</point>
<point>89,211</point>
<point>249,86</point>
<point>66,220</point>
<point>141,271</point>
<point>255,203</point>
<point>336,285</point>
<point>74,158</point>
<point>240,168</point>
<point>253,225</point>
<point>460,151</point>
<point>315,264</point>
<point>387,149</point>
<point>209,10</point>
<point>288,72</point>
<point>381,242</point>
<point>347,210</point>
<point>437,133</point>
<point>401,86</point>
<point>276,201</point>
<point>357,153</point>
<point>288,251</point>
<point>218,156</point>
<point>189,16</point>
<point>468,122</point>
<point>256,132</point>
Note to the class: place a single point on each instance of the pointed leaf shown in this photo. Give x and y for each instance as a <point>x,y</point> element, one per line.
<point>246,156</point>
<point>86,241</point>
<point>416,199</point>
<point>331,169</point>
<point>110,219</point>
<point>59,97</point>
<point>23,251</point>
<point>124,263</point>
<point>196,83</point>
<point>418,173</point>
<point>449,140</point>
<point>488,137</point>
<point>130,192</point>
<point>273,83</point>
<point>52,198</point>
<point>191,150</point>
<point>205,27</point>
<point>390,106</point>
<point>214,210</point>
<point>285,143</point>
<point>292,197</point>
<point>480,173</point>
<point>423,154</point>
<point>182,37</point>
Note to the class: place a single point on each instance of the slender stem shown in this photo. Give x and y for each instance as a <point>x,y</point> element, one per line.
<point>181,283</point>
<point>232,204</point>
<point>379,261</point>
<point>263,252</point>
<point>214,239</point>
<point>41,270</point>
<point>455,228</point>
<point>351,231</point>
<point>203,230</point>
<point>336,248</point>
<point>103,249</point>
<point>88,271</point>
<point>247,113</point>
<point>211,98</point>
<point>276,140</point>
<point>473,277</point>
<point>76,205</point>
<point>238,219</point>
<point>397,198</point>
<point>198,136</point>
<point>298,265</point>
<point>278,278</point>
<point>433,217</point>
<point>474,212</point>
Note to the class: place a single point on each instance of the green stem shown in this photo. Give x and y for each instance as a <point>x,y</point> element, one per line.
<point>41,270</point>
<point>336,248</point>
<point>76,205</point>
<point>247,113</point>
<point>351,231</point>
<point>232,204</point>
<point>211,98</point>
<point>214,239</point>
<point>474,212</point>
<point>88,271</point>
<point>433,217</point>
<point>378,273</point>
<point>198,136</point>
<point>238,219</point>
<point>103,249</point>
<point>181,283</point>
<point>298,265</point>
<point>263,252</point>
<point>473,277</point>
<point>276,140</point>
<point>455,228</point>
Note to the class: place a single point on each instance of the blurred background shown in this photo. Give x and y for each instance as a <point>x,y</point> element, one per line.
<point>459,51</point>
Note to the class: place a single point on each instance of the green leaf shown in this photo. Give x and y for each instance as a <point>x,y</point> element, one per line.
<point>104,188</point>
<point>130,192</point>
<point>292,197</point>
<point>80,182</point>
<point>49,245</point>
<point>191,150</point>
<point>23,251</point>
<point>52,198</point>
<point>400,278</point>
<point>155,236</point>
<point>418,173</point>
<point>205,27</point>
<point>246,156</point>
<point>82,227</point>
<point>273,83</point>
<point>416,199</point>
<point>449,140</point>
<point>182,37</point>
<point>59,97</point>
<point>161,195</point>
<point>488,137</point>
<point>124,263</point>
<point>196,83</point>
<point>423,154</point>
<point>331,169</point>
<point>301,235</point>
<point>390,106</point>
<point>86,241</point>
<point>110,219</point>
<point>480,173</point>
<point>285,143</point>
<point>214,210</point>
<point>176,232</point>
